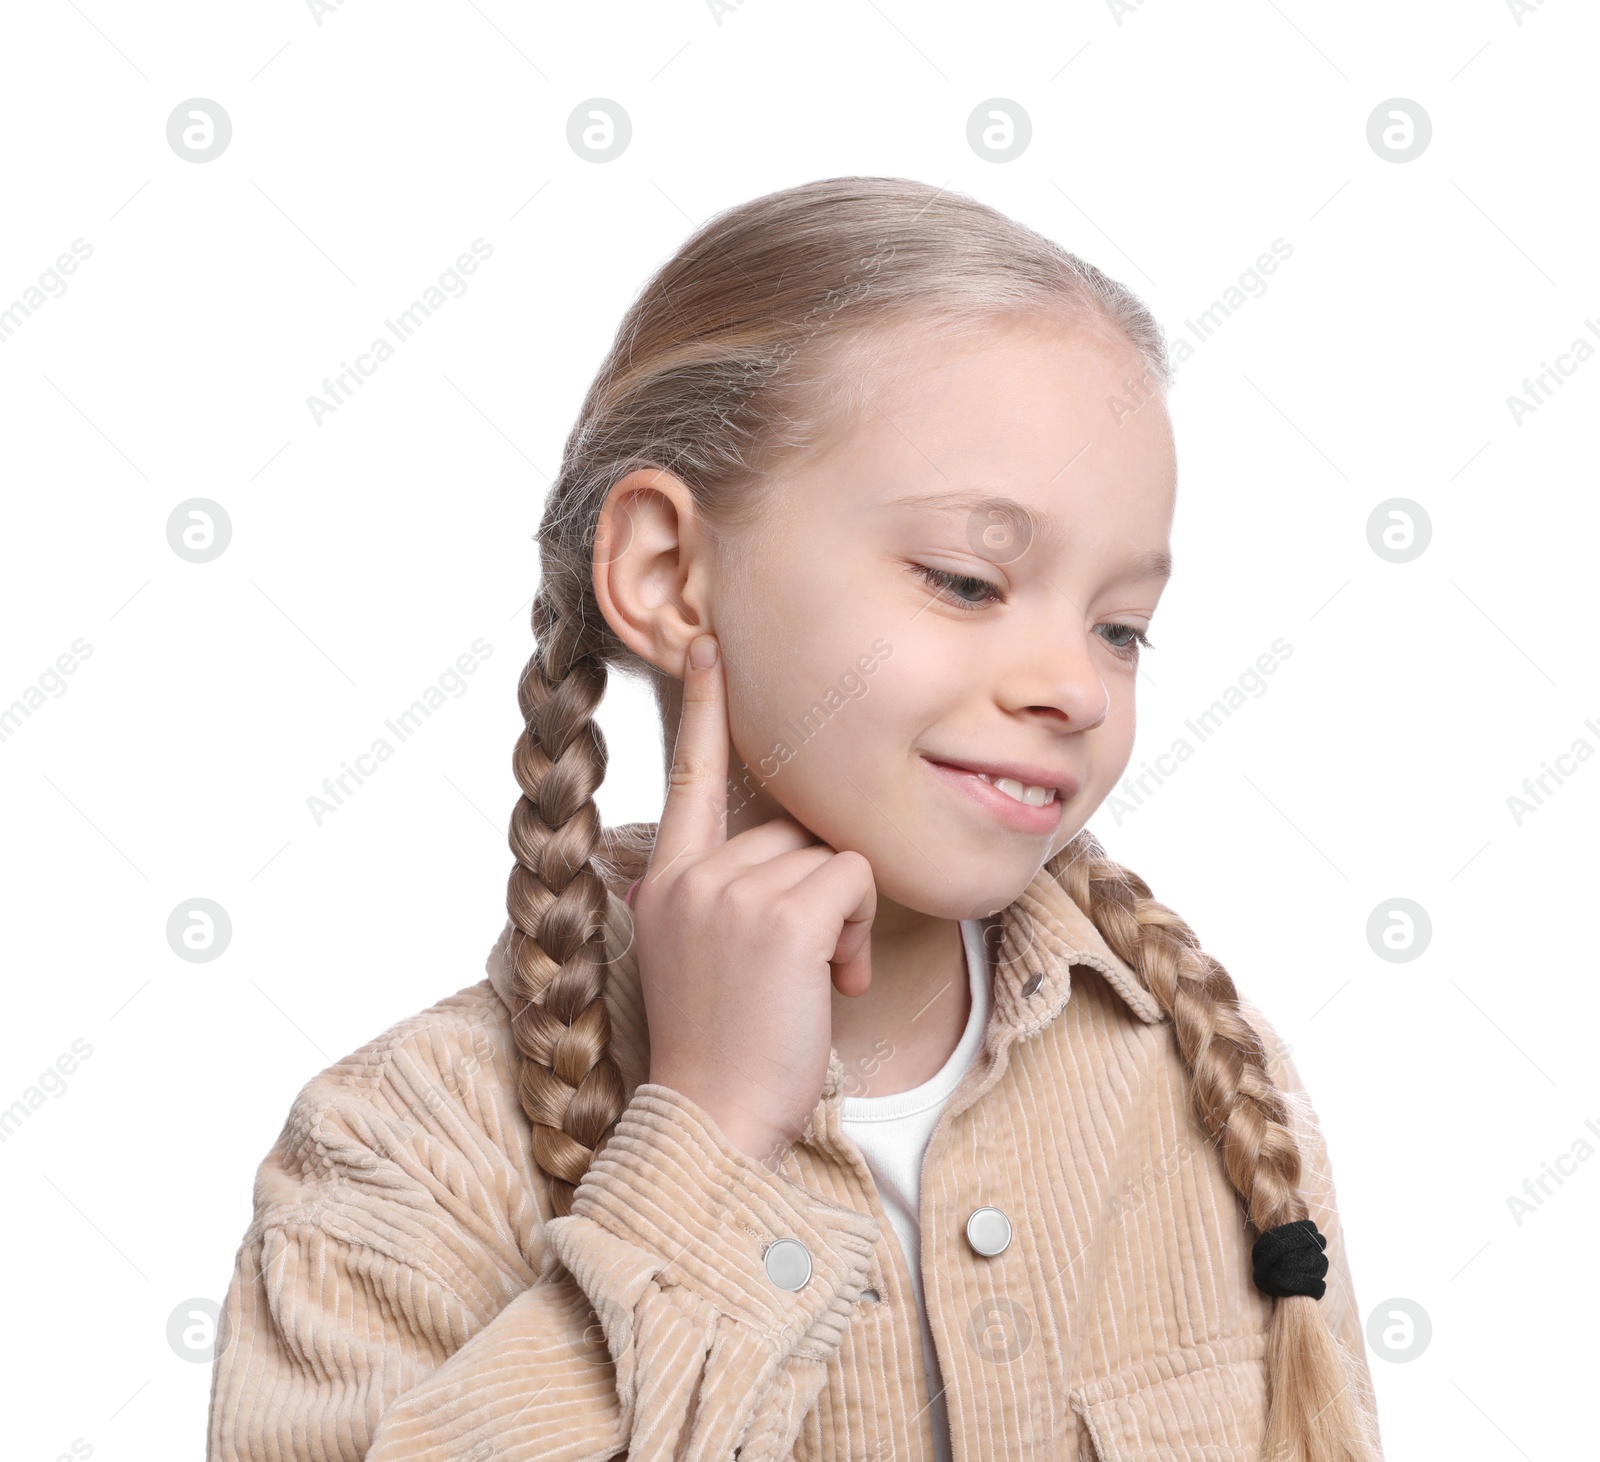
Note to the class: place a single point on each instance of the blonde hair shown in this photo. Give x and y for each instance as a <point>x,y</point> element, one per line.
<point>744,353</point>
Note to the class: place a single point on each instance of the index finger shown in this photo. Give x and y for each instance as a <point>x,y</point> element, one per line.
<point>694,818</point>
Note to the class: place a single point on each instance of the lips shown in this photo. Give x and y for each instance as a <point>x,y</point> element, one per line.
<point>1029,774</point>
<point>977,781</point>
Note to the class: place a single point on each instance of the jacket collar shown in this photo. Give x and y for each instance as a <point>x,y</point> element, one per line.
<point>1036,940</point>
<point>1045,933</point>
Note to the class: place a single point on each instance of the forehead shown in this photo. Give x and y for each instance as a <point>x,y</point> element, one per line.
<point>1022,420</point>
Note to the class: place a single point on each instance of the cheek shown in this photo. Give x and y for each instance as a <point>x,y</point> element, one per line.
<point>847,770</point>
<point>783,686</point>
<point>1110,745</point>
<point>822,734</point>
<point>795,638</point>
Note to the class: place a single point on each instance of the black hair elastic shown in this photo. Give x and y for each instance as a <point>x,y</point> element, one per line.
<point>1289,1260</point>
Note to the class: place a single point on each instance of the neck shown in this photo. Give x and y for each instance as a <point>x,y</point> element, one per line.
<point>898,1034</point>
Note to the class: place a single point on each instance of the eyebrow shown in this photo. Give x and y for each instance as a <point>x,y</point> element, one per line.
<point>1037,527</point>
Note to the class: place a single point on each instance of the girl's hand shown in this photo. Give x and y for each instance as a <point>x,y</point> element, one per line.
<point>741,942</point>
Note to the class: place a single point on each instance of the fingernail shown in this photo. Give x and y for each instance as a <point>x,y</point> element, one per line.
<point>703,652</point>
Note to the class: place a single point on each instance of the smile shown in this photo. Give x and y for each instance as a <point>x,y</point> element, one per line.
<point>1026,806</point>
<point>1032,796</point>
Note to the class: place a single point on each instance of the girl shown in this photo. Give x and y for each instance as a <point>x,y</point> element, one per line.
<point>862,1108</point>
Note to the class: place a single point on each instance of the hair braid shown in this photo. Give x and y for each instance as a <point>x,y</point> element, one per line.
<point>1312,1416</point>
<point>568,1083</point>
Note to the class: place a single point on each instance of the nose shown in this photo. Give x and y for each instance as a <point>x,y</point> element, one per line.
<point>1054,677</point>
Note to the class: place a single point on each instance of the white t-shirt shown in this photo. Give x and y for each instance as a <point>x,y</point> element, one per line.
<point>892,1133</point>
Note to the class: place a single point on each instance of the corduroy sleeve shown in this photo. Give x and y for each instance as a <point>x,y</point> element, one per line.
<point>652,1331</point>
<point>1339,1304</point>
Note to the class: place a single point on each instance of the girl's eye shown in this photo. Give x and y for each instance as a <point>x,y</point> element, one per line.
<point>953,588</point>
<point>1128,648</point>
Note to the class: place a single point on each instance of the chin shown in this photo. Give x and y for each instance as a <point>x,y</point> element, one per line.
<point>922,890</point>
<point>978,884</point>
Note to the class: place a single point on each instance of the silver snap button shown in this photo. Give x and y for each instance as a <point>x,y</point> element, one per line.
<point>1032,984</point>
<point>788,1263</point>
<point>988,1231</point>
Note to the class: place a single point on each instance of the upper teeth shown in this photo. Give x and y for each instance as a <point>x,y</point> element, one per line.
<point>1033,796</point>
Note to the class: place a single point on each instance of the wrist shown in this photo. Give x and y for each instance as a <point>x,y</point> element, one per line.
<point>757,1139</point>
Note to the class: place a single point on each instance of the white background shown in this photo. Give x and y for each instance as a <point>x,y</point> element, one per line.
<point>1172,147</point>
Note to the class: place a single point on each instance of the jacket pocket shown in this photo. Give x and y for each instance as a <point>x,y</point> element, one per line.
<point>1206,1404</point>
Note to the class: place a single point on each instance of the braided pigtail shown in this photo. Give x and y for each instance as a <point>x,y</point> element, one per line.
<point>1312,1416</point>
<point>567,1081</point>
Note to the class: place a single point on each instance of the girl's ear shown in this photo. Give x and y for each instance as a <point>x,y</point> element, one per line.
<point>652,567</point>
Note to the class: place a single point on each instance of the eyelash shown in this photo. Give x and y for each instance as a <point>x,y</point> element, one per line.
<point>943,580</point>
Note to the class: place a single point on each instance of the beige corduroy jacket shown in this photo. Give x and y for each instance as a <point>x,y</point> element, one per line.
<point>403,1292</point>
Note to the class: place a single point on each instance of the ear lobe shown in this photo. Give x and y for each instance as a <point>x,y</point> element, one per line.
<point>648,562</point>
